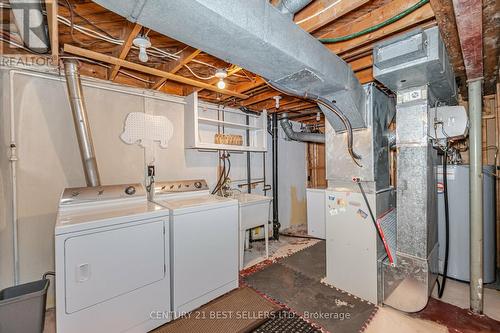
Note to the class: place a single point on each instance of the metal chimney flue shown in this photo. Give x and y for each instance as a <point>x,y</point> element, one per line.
<point>82,126</point>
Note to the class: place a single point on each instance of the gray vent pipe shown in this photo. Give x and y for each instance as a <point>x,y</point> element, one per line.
<point>82,126</point>
<point>291,7</point>
<point>299,136</point>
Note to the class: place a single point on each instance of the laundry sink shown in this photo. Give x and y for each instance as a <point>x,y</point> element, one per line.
<point>253,212</point>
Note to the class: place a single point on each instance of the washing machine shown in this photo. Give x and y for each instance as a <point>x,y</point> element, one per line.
<point>112,261</point>
<point>203,243</point>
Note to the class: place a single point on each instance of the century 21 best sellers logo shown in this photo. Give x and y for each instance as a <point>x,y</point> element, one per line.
<point>24,28</point>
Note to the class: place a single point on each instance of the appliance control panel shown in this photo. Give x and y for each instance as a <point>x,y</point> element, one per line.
<point>176,186</point>
<point>76,195</point>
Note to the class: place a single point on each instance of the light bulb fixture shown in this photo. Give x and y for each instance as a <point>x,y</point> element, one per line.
<point>221,74</point>
<point>277,101</point>
<point>318,116</point>
<point>142,42</point>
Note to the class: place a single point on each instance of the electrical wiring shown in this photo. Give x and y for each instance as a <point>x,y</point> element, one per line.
<point>135,76</point>
<point>198,76</point>
<point>447,225</point>
<point>102,35</point>
<point>319,12</point>
<point>86,60</point>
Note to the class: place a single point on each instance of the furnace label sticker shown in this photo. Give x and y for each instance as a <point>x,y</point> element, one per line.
<point>440,187</point>
<point>362,214</point>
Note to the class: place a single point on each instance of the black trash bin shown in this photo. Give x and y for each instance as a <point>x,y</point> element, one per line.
<point>22,307</point>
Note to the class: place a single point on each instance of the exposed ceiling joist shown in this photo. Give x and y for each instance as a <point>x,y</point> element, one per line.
<point>469,18</point>
<point>374,17</point>
<point>133,30</point>
<point>173,67</point>
<point>491,44</point>
<point>320,13</point>
<point>445,17</point>
<point>259,98</point>
<point>51,6</point>
<point>145,69</point>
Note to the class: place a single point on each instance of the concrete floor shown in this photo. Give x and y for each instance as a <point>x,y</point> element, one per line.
<point>387,320</point>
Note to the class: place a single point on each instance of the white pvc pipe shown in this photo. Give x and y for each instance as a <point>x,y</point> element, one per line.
<point>13,161</point>
<point>13,158</point>
<point>476,195</point>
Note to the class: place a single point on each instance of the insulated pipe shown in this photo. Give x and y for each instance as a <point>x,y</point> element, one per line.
<point>299,136</point>
<point>82,126</point>
<point>476,196</point>
<point>291,7</point>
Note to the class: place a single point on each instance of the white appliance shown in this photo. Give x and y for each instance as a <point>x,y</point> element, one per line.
<point>316,221</point>
<point>253,212</point>
<point>203,243</point>
<point>112,261</point>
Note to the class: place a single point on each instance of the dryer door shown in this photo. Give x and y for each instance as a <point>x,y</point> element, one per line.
<point>100,265</point>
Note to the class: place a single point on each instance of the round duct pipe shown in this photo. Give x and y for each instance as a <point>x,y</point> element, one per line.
<point>80,119</point>
<point>299,136</point>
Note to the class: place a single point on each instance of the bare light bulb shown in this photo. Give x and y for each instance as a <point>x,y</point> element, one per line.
<point>142,42</point>
<point>143,56</point>
<point>221,84</point>
<point>221,74</point>
<point>318,117</point>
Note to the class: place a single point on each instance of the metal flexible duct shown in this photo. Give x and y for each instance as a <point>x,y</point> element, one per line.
<point>82,126</point>
<point>300,136</point>
<point>290,7</point>
<point>258,37</point>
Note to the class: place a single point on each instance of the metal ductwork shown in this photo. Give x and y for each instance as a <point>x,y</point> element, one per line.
<point>268,43</point>
<point>299,136</point>
<point>291,7</point>
<point>82,126</point>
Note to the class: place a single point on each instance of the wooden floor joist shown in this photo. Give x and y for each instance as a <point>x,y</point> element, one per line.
<point>320,13</point>
<point>173,67</point>
<point>127,45</point>
<point>374,17</point>
<point>145,69</point>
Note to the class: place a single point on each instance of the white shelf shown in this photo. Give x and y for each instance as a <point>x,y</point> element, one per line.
<point>216,146</point>
<point>202,121</point>
<point>225,123</point>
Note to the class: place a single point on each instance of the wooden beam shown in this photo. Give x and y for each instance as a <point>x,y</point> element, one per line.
<point>445,18</point>
<point>51,6</point>
<point>365,76</point>
<point>145,69</point>
<point>469,18</point>
<point>362,63</point>
<point>259,98</point>
<point>320,13</point>
<point>377,16</point>
<point>127,45</point>
<point>491,40</point>
<point>174,66</point>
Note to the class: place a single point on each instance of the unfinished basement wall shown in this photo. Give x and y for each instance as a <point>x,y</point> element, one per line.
<point>49,159</point>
